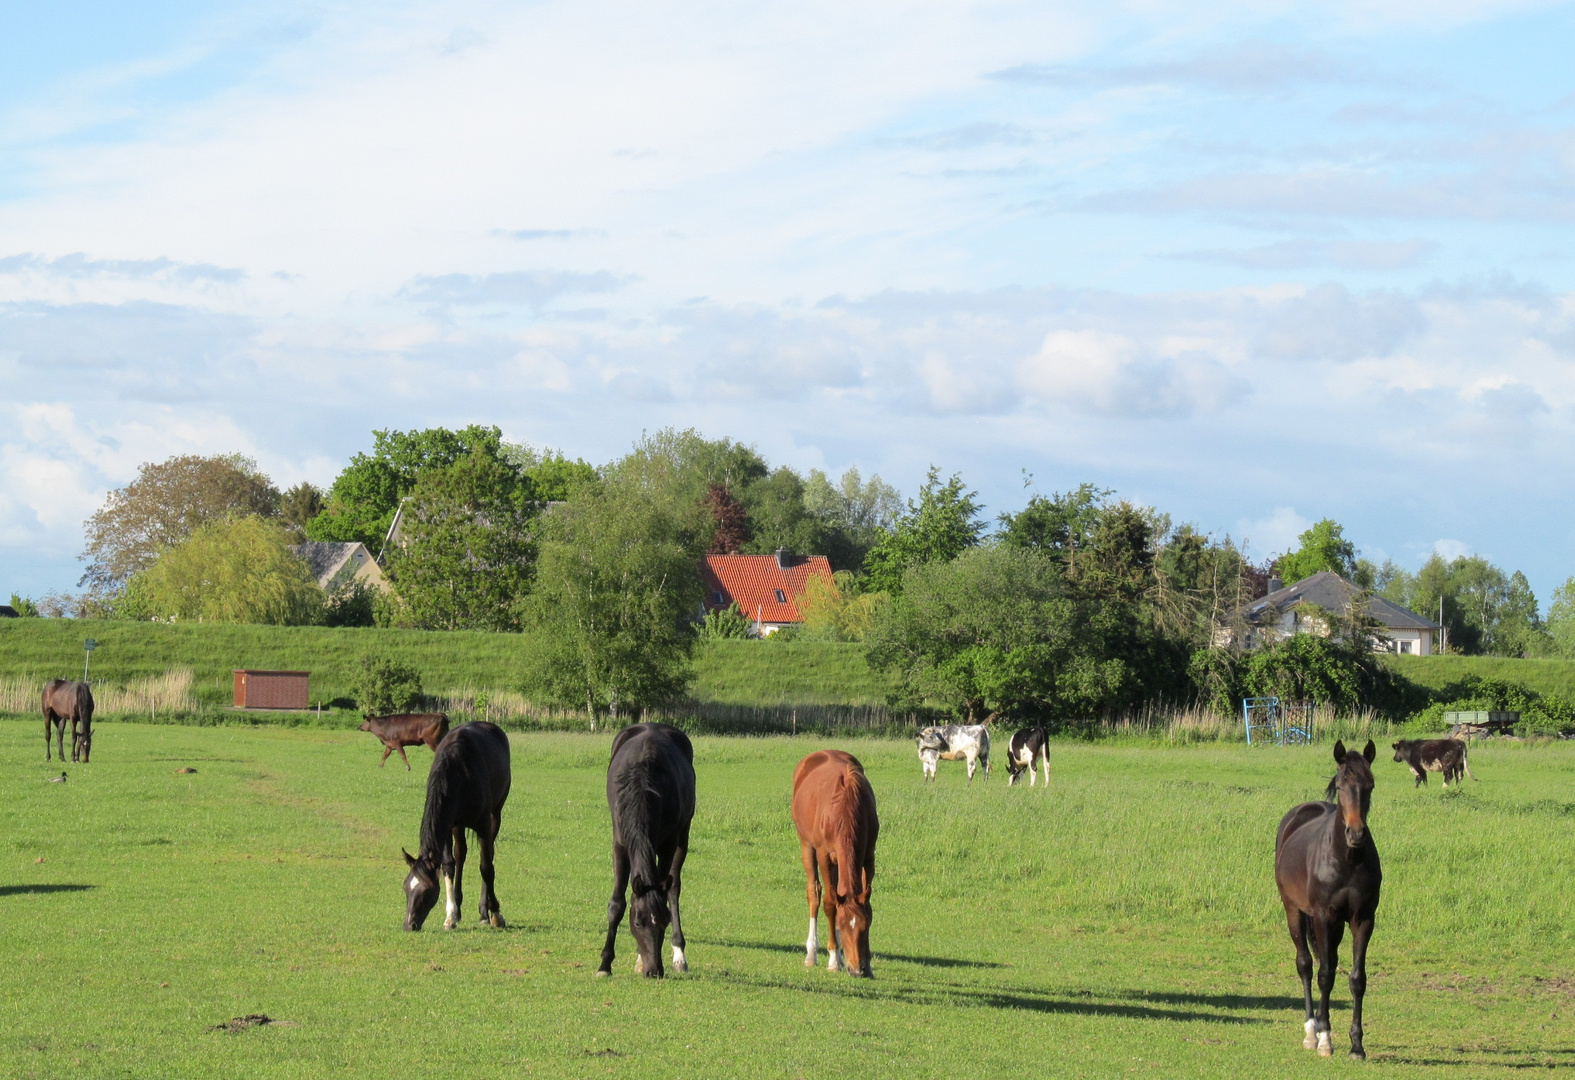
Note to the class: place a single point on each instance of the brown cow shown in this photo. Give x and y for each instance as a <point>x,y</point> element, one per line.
<point>407,729</point>
<point>1447,756</point>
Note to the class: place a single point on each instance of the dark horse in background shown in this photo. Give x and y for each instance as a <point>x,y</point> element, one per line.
<point>651,791</point>
<point>1326,866</point>
<point>73,701</point>
<point>834,812</point>
<point>466,789</point>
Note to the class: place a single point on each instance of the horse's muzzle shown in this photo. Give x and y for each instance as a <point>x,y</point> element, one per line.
<point>1354,837</point>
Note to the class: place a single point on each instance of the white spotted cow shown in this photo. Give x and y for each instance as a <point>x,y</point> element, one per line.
<point>1028,749</point>
<point>955,742</point>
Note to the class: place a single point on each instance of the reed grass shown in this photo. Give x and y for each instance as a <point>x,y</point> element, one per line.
<point>153,698</point>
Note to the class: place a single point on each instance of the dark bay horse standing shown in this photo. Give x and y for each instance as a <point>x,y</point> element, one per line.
<point>651,792</point>
<point>834,812</point>
<point>64,700</point>
<point>1326,866</point>
<point>466,789</point>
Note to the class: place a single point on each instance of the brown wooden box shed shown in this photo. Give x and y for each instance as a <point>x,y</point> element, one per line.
<point>271,689</point>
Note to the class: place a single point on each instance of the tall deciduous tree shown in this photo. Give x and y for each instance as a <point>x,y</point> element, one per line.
<point>299,505</point>
<point>1323,547</point>
<point>466,554</point>
<point>616,587</point>
<point>235,570</point>
<point>162,507</point>
<point>732,521</point>
<point>940,526</point>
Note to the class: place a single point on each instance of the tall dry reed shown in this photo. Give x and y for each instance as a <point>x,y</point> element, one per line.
<point>152,697</point>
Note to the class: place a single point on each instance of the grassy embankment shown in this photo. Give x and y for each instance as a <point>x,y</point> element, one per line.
<point>1124,921</point>
<point>1436,672</point>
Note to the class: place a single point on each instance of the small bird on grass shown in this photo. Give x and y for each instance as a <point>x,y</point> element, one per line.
<point>61,779</point>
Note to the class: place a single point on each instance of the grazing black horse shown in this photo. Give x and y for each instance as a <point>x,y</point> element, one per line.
<point>1326,866</point>
<point>73,701</point>
<point>651,790</point>
<point>466,789</point>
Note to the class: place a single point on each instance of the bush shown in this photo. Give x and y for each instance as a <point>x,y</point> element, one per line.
<point>724,625</point>
<point>351,605</point>
<point>382,685</point>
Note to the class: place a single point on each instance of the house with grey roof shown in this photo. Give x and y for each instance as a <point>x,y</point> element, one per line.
<point>1293,609</point>
<point>335,564</point>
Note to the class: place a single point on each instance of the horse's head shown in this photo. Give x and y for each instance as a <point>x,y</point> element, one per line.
<point>853,928</point>
<point>421,889</point>
<point>1352,789</point>
<point>648,919</point>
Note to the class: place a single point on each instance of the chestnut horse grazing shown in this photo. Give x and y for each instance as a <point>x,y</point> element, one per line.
<point>72,701</point>
<point>834,811</point>
<point>651,792</point>
<point>466,789</point>
<point>1326,866</point>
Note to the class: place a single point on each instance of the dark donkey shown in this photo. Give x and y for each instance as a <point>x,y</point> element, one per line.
<point>651,790</point>
<point>1326,866</point>
<point>71,701</point>
<point>466,789</point>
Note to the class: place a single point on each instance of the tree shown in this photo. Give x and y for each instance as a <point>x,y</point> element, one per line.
<point>1561,619</point>
<point>732,521</point>
<point>382,685</point>
<point>616,589</point>
<point>854,511</point>
<point>24,607</point>
<point>1059,525</point>
<point>163,506</point>
<point>299,505</point>
<point>837,610</point>
<point>1323,547</point>
<point>778,517</point>
<point>938,528</point>
<point>1485,610</point>
<point>235,570</point>
<point>364,497</point>
<point>467,555</point>
<point>552,474</point>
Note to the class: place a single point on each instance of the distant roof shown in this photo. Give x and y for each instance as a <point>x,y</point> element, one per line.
<point>1331,591</point>
<point>325,557</point>
<point>9,612</point>
<point>753,582</point>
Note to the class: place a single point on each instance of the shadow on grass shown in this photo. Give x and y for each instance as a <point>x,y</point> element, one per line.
<point>1271,1003</point>
<point>798,950</point>
<point>33,890</point>
<point>1079,1003</point>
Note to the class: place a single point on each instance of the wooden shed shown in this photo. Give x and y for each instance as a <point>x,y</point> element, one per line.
<point>272,689</point>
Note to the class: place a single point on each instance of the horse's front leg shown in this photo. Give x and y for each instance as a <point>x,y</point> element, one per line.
<point>616,906</point>
<point>452,875</point>
<point>1327,933</point>
<point>1361,930</point>
<point>675,887</point>
<point>1300,926</point>
<point>828,891</point>
<point>490,912</point>
<point>812,894</point>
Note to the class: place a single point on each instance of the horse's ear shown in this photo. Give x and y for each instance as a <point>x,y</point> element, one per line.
<point>1370,751</point>
<point>410,860</point>
<point>1339,751</point>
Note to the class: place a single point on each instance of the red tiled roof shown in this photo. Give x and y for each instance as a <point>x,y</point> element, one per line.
<point>752,582</point>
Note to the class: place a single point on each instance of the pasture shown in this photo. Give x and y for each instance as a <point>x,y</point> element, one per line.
<point>1124,922</point>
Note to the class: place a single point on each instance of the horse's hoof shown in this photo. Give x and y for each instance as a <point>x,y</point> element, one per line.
<point>809,961</point>
<point>1310,1042</point>
<point>602,973</point>
<point>497,921</point>
<point>1358,1053</point>
<point>680,961</point>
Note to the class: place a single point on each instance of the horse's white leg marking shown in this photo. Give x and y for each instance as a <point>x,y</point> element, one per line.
<point>834,960</point>
<point>811,945</point>
<point>1325,1046</point>
<point>450,908</point>
<point>1310,1041</point>
<point>680,961</point>
<point>639,962</point>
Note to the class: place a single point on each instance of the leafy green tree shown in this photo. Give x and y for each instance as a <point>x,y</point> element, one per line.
<point>235,570</point>
<point>382,685</point>
<point>364,497</point>
<point>298,506</point>
<point>1485,609</point>
<point>24,607</point>
<point>1059,525</point>
<point>466,554</point>
<point>854,511</point>
<point>552,474</point>
<point>938,528</point>
<point>616,588</point>
<point>1561,619</point>
<point>1323,547</point>
<point>779,518</point>
<point>163,506</point>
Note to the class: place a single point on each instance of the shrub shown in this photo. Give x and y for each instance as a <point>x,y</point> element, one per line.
<point>382,685</point>
<point>723,625</point>
<point>351,605</point>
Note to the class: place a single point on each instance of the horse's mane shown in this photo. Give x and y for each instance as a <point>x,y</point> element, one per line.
<point>847,809</point>
<point>433,830</point>
<point>632,805</point>
<point>1331,793</point>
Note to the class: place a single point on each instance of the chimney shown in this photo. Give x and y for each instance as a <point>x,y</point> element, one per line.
<point>782,558</point>
<point>1275,584</point>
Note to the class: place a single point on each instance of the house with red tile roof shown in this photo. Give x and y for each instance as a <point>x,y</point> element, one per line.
<point>766,588</point>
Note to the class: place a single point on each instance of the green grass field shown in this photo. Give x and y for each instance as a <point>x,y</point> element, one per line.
<point>1543,676</point>
<point>1122,923</point>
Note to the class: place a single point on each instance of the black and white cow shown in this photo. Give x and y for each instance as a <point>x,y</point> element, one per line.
<point>1028,749</point>
<point>1447,756</point>
<point>955,742</point>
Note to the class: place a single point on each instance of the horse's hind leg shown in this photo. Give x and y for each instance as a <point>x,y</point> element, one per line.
<point>1301,927</point>
<point>456,895</point>
<point>1361,930</point>
<point>674,890</point>
<point>812,894</point>
<point>490,912</point>
<point>615,907</point>
<point>49,733</point>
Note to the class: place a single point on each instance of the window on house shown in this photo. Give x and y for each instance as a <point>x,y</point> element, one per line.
<point>781,597</point>
<point>718,598</point>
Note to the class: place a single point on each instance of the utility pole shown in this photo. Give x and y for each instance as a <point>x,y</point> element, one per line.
<point>1442,629</point>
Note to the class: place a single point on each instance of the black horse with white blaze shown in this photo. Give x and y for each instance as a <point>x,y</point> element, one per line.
<point>651,792</point>
<point>466,789</point>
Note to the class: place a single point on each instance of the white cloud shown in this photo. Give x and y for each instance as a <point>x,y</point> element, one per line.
<point>1274,534</point>
<point>1450,550</point>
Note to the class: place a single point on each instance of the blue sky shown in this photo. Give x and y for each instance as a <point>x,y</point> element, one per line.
<point>1254,265</point>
